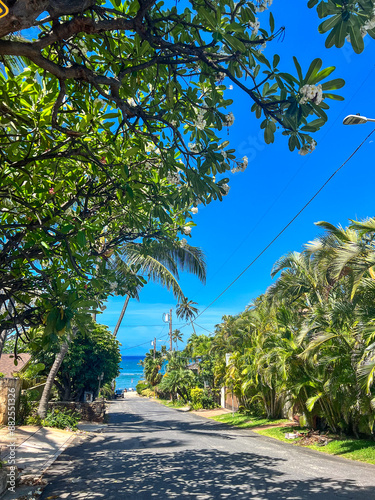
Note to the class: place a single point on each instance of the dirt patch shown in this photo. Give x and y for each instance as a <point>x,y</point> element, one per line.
<point>211,413</point>
<point>270,426</point>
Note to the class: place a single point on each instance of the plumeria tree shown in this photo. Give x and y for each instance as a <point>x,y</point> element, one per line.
<point>346,20</point>
<point>111,132</point>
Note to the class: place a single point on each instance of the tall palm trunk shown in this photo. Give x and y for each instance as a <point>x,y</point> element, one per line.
<point>121,315</point>
<point>43,403</point>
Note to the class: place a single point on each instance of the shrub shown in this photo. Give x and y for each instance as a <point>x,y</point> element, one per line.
<point>141,386</point>
<point>62,419</point>
<point>106,391</point>
<point>32,420</point>
<point>148,393</point>
<point>201,398</point>
<point>196,395</point>
<point>28,403</point>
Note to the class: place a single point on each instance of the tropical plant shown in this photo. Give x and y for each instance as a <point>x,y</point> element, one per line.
<point>185,310</point>
<point>177,337</point>
<point>93,151</point>
<point>152,364</point>
<point>159,262</point>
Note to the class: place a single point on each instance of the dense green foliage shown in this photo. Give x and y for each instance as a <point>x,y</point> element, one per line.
<point>345,20</point>
<point>308,342</point>
<point>61,419</point>
<point>112,122</point>
<point>90,354</point>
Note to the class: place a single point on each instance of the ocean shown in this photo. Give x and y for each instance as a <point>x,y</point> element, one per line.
<point>130,373</point>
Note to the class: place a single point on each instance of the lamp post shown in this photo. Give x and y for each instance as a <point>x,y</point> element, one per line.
<point>356,120</point>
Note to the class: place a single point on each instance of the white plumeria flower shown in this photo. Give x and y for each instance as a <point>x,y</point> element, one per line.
<point>187,229</point>
<point>226,189</point>
<point>194,147</point>
<point>229,119</point>
<point>194,210</point>
<point>183,242</point>
<point>312,93</point>
<point>307,148</point>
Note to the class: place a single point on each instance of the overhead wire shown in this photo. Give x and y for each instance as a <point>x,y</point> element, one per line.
<point>275,201</point>
<point>285,227</point>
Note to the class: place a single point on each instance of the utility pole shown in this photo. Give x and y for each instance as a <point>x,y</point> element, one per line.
<point>170,328</point>
<point>154,347</point>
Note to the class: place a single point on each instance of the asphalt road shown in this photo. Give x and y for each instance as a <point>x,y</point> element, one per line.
<point>150,451</point>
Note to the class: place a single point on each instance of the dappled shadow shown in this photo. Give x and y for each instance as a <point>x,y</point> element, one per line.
<point>202,474</point>
<point>148,451</point>
<point>166,419</point>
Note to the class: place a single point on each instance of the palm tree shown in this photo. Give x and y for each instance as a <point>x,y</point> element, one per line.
<point>176,336</point>
<point>161,263</point>
<point>185,310</point>
<point>152,366</point>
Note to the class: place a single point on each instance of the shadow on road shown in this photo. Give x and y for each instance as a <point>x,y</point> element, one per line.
<point>143,466</point>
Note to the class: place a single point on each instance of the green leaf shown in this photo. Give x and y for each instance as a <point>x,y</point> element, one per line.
<point>334,97</point>
<point>335,84</point>
<point>313,70</point>
<point>81,238</point>
<point>299,70</point>
<point>356,40</point>
<point>329,23</point>
<point>272,23</point>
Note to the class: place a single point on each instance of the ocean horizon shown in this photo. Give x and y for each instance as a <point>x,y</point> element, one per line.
<point>130,372</point>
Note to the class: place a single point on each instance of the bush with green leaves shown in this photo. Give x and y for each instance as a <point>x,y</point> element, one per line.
<point>148,393</point>
<point>202,399</point>
<point>28,404</point>
<point>61,419</point>
<point>141,386</point>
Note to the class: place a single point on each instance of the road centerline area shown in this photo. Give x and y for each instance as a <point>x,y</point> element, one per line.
<point>149,451</point>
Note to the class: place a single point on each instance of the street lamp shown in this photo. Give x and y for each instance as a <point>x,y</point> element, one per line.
<point>356,120</point>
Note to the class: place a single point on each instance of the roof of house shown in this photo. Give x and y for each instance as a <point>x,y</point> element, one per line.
<point>193,366</point>
<point>7,365</point>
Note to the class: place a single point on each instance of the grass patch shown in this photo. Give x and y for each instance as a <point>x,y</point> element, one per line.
<point>245,421</point>
<point>362,450</point>
<point>172,404</point>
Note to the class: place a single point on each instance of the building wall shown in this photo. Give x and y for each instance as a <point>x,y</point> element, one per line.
<point>229,400</point>
<point>8,386</point>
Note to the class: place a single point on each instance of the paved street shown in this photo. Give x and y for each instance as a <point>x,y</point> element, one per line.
<point>150,451</point>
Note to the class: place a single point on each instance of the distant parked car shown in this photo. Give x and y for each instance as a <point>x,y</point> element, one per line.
<point>118,393</point>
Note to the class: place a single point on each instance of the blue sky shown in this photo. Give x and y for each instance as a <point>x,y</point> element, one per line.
<point>276,184</point>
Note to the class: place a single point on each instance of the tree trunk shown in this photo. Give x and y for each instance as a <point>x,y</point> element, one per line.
<point>3,336</point>
<point>43,403</point>
<point>192,324</point>
<point>121,315</point>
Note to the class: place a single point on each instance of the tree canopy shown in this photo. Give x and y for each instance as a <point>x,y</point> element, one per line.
<point>111,124</point>
<point>90,354</point>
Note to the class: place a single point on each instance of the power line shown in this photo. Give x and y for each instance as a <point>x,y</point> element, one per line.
<point>144,343</point>
<point>326,131</point>
<point>203,328</point>
<point>288,224</point>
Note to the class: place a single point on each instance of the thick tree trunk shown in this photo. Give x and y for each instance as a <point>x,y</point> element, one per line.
<point>121,315</point>
<point>3,336</point>
<point>43,403</point>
